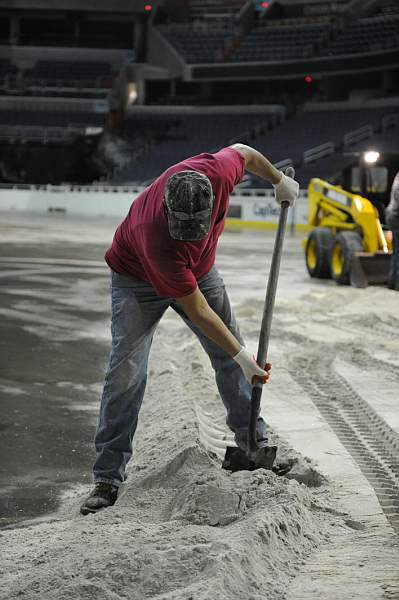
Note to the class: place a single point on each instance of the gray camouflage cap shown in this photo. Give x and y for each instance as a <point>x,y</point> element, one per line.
<point>188,201</point>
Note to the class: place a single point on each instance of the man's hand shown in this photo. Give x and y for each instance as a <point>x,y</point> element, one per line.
<point>286,190</point>
<point>250,367</point>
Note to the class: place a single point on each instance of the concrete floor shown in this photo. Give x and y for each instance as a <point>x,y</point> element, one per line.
<point>53,352</point>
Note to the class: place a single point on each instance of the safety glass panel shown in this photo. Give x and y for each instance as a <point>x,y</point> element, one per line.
<point>375,179</point>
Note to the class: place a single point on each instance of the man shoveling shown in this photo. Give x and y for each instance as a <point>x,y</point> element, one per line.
<point>163,256</point>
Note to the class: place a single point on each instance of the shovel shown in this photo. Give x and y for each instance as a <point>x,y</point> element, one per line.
<point>259,456</point>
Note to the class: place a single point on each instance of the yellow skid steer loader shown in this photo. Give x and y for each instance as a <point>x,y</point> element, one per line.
<point>347,242</point>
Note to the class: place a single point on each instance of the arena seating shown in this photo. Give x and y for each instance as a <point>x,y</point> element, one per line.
<point>279,40</point>
<point>365,35</point>
<point>71,74</point>
<point>7,68</point>
<point>60,32</point>
<point>261,44</point>
<point>389,7</point>
<point>184,136</point>
<point>49,119</point>
<point>8,72</point>
<point>278,43</point>
<point>170,139</point>
<point>197,46</point>
<point>210,28</point>
<point>330,167</point>
<point>387,142</point>
<point>311,129</point>
<point>160,139</point>
<point>202,8</point>
<point>327,168</point>
<point>56,77</point>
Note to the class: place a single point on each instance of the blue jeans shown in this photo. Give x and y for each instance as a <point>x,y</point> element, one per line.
<point>136,311</point>
<point>393,281</point>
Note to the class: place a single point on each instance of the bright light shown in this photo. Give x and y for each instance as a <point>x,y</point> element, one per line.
<point>308,79</point>
<point>371,156</point>
<point>148,7</point>
<point>264,4</point>
<point>132,93</point>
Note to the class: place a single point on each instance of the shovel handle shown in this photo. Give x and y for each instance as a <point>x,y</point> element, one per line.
<point>264,336</point>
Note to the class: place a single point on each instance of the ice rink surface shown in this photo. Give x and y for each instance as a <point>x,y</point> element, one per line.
<point>333,399</point>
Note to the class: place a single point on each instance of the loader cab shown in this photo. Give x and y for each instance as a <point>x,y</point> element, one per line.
<point>372,179</point>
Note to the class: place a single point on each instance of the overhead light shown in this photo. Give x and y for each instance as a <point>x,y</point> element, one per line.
<point>371,157</point>
<point>132,93</point>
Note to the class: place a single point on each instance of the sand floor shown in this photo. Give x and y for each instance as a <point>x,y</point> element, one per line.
<point>183,528</point>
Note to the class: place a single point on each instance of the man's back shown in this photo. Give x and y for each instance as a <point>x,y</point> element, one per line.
<point>143,248</point>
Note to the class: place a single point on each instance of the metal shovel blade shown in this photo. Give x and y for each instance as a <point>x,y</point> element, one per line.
<point>238,460</point>
<point>264,458</point>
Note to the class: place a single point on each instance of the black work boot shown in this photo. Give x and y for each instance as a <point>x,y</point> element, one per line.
<point>103,495</point>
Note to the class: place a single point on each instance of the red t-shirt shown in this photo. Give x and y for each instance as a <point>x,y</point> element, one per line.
<point>142,247</point>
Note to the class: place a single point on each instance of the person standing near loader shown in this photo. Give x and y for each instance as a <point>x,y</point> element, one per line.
<point>162,256</point>
<point>392,219</point>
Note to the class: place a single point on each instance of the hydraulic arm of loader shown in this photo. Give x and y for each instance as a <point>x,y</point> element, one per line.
<point>334,213</point>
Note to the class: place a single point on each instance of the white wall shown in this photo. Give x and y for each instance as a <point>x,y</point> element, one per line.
<point>256,207</point>
<point>71,200</point>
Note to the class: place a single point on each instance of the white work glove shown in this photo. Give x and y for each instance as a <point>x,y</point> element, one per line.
<point>286,190</point>
<point>250,367</point>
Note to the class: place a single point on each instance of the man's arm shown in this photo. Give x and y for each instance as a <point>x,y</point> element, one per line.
<point>286,189</point>
<point>201,314</point>
<point>257,164</point>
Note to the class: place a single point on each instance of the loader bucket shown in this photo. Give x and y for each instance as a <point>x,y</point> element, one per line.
<point>369,269</point>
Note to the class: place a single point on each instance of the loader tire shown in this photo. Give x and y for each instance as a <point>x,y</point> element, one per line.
<point>317,253</point>
<point>344,245</point>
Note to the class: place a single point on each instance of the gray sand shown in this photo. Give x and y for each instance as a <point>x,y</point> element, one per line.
<point>185,529</point>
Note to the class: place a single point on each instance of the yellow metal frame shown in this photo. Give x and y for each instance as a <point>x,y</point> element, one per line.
<point>237,224</point>
<point>331,206</point>
<point>337,260</point>
<point>311,256</point>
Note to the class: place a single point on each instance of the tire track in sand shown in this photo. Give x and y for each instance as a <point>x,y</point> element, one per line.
<point>367,437</point>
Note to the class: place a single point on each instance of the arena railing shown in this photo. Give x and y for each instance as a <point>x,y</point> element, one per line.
<point>318,152</point>
<point>357,135</point>
<point>389,121</point>
<point>45,135</point>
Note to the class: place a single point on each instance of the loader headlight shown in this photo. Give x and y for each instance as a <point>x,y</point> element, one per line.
<point>371,157</point>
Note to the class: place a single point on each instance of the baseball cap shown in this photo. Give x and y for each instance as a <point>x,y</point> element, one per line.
<point>188,201</point>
